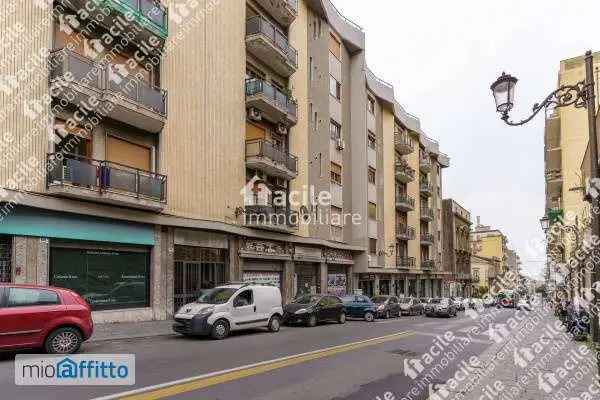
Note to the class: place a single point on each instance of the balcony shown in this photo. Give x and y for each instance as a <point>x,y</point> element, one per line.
<point>424,163</point>
<point>404,202</point>
<point>272,218</point>
<point>403,144</point>
<point>426,214</point>
<point>427,239</point>
<point>264,156</point>
<point>425,188</point>
<point>284,11</point>
<point>404,173</point>
<point>95,87</point>
<point>269,44</point>
<point>272,103</point>
<point>405,262</point>
<point>427,265</point>
<point>70,175</point>
<point>404,232</point>
<point>150,18</point>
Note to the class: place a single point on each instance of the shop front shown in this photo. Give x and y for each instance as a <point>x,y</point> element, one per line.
<point>339,271</point>
<point>366,283</point>
<point>385,284</point>
<point>399,287</point>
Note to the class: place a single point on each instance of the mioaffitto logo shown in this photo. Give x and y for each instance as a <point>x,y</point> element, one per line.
<point>75,370</point>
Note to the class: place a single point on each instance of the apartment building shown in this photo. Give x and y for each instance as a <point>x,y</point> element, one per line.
<point>567,164</point>
<point>483,273</point>
<point>492,244</point>
<point>165,150</point>
<point>457,248</point>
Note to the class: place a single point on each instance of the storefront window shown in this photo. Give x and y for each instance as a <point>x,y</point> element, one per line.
<point>105,279</point>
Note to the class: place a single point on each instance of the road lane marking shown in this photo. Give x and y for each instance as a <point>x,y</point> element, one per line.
<point>473,340</point>
<point>174,388</point>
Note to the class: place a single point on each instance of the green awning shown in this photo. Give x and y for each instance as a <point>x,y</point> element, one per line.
<point>26,221</point>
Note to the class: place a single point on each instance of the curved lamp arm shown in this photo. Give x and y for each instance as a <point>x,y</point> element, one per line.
<point>562,97</point>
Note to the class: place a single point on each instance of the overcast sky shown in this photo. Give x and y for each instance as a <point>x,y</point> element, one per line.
<point>442,56</point>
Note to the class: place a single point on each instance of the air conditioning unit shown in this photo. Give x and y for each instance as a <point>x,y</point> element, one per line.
<point>282,129</point>
<point>340,144</point>
<point>254,114</point>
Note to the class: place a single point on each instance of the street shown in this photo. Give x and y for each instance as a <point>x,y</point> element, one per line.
<point>357,360</point>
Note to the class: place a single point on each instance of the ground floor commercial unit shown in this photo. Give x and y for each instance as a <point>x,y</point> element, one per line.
<point>400,283</point>
<point>134,271</point>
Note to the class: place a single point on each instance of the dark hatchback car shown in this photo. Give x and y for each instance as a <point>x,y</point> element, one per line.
<point>312,309</point>
<point>387,306</point>
<point>360,306</point>
<point>442,307</point>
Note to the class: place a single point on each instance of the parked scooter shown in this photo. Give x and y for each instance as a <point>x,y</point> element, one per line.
<point>578,322</point>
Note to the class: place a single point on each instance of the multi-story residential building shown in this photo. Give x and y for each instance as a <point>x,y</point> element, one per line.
<point>201,144</point>
<point>483,273</point>
<point>457,247</point>
<point>566,166</point>
<point>491,244</point>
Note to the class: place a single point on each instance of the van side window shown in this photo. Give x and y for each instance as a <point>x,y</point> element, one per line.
<point>243,299</point>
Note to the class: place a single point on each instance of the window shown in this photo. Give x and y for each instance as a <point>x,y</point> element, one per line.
<point>243,299</point>
<point>335,88</point>
<point>21,297</point>
<point>371,105</point>
<point>373,246</point>
<point>372,210</point>
<point>334,46</point>
<point>337,219</point>
<point>371,174</point>
<point>335,130</point>
<point>336,173</point>
<point>316,121</point>
<point>311,75</point>
<point>372,141</point>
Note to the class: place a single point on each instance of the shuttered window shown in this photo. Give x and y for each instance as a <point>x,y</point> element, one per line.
<point>127,153</point>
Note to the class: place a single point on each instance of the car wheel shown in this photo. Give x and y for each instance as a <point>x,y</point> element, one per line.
<point>220,330</point>
<point>387,315</point>
<point>63,341</point>
<point>342,318</point>
<point>312,321</point>
<point>274,324</point>
<point>369,317</point>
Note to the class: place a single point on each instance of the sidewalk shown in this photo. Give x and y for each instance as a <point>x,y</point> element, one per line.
<point>533,360</point>
<point>131,330</point>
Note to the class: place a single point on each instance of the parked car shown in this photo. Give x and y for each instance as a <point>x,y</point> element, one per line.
<point>523,304</point>
<point>311,309</point>
<point>489,301</point>
<point>411,306</point>
<point>387,306</point>
<point>228,308</point>
<point>57,320</point>
<point>476,304</point>
<point>360,306</point>
<point>458,303</point>
<point>426,302</point>
<point>442,307</point>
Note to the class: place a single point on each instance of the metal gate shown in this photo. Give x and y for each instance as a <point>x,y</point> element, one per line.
<point>187,283</point>
<point>5,259</point>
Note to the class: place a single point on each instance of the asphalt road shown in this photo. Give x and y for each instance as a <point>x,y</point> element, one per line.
<point>358,360</point>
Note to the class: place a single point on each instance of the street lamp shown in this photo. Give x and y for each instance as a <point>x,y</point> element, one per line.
<point>545,223</point>
<point>580,95</point>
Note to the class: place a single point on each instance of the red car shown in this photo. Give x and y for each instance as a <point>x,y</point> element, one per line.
<point>55,319</point>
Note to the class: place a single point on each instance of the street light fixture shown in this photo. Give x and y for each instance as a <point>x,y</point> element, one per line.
<point>580,95</point>
<point>545,223</point>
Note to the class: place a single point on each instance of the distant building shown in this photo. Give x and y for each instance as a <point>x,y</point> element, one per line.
<point>457,248</point>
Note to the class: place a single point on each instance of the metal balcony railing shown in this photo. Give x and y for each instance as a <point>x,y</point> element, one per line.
<point>259,25</point>
<point>270,215</point>
<point>405,262</point>
<point>275,96</point>
<point>147,13</point>
<point>402,139</point>
<point>426,212</point>
<point>427,237</point>
<point>427,264</point>
<point>105,176</point>
<point>403,198</point>
<point>405,169</point>
<point>405,231</point>
<point>73,67</point>
<point>293,4</point>
<point>425,186</point>
<point>266,149</point>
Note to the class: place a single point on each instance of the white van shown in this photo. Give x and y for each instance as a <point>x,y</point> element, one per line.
<point>229,308</point>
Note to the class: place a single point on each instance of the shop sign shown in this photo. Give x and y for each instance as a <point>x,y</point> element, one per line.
<point>263,277</point>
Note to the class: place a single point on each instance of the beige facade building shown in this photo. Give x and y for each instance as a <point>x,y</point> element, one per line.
<point>158,150</point>
<point>457,248</point>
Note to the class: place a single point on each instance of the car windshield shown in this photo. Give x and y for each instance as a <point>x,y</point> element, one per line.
<point>379,299</point>
<point>436,301</point>
<point>307,299</point>
<point>405,300</point>
<point>216,296</point>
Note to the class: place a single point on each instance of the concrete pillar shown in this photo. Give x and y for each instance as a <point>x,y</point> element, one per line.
<point>158,276</point>
<point>406,287</point>
<point>323,277</point>
<point>30,260</point>
<point>393,286</point>
<point>376,286</point>
<point>168,255</point>
<point>351,280</point>
<point>418,287</point>
<point>235,265</point>
<point>288,281</point>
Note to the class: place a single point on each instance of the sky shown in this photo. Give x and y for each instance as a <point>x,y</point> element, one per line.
<point>442,57</point>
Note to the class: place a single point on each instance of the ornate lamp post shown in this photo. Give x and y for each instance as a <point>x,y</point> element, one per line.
<point>578,95</point>
<point>545,223</point>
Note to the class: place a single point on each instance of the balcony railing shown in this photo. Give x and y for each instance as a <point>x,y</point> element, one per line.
<point>403,143</point>
<point>259,25</point>
<point>269,216</point>
<point>426,213</point>
<point>427,238</point>
<point>265,149</point>
<point>405,232</point>
<point>404,201</point>
<point>273,95</point>
<point>150,14</point>
<point>105,176</point>
<point>425,187</point>
<point>405,170</point>
<point>405,262</point>
<point>427,265</point>
<point>78,69</point>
